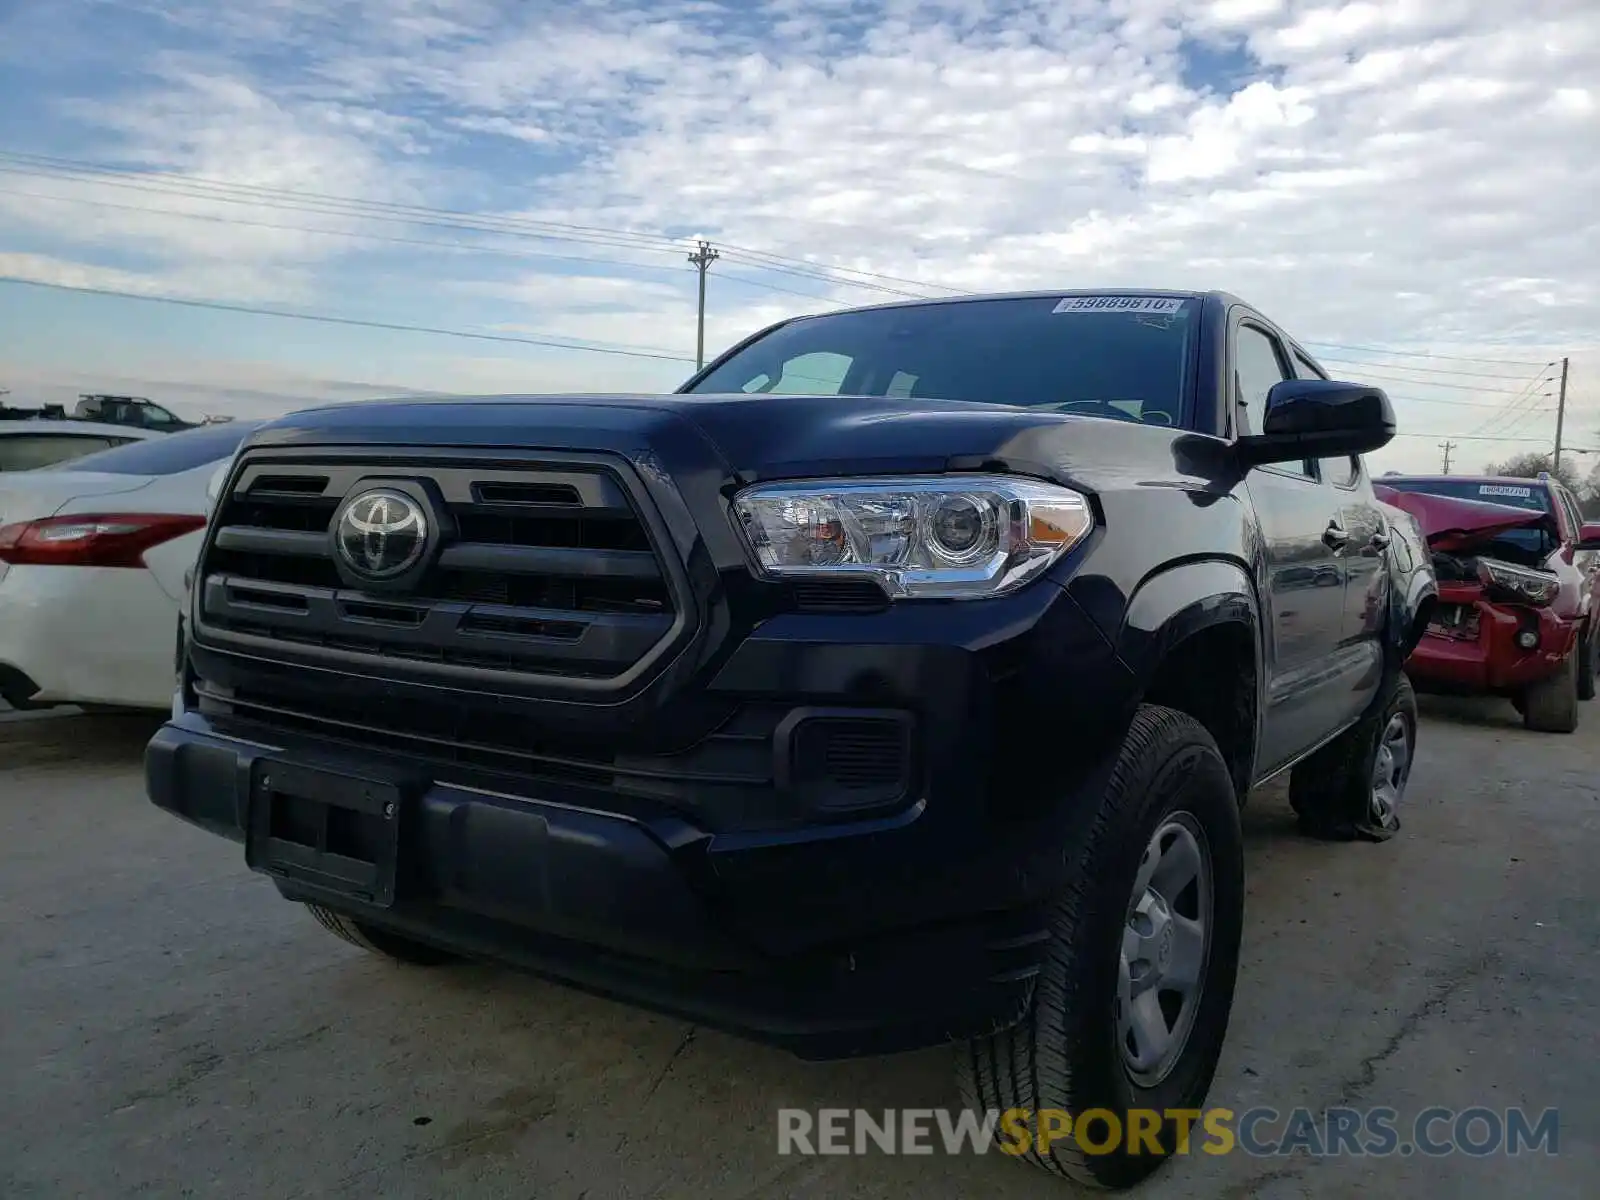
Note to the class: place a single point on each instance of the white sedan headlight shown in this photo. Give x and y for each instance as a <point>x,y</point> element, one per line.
<point>961,537</point>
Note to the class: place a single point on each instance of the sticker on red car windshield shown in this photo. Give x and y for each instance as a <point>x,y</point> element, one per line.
<point>1504,489</point>
<point>1163,305</point>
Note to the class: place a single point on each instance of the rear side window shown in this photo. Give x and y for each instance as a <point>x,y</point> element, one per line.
<point>1341,472</point>
<point>30,451</point>
<point>170,453</point>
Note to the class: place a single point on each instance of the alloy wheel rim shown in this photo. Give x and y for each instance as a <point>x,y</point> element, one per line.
<point>1390,769</point>
<point>1166,946</point>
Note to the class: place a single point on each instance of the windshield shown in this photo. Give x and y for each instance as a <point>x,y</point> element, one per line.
<point>1530,495</point>
<point>1121,357</point>
<point>167,454</point>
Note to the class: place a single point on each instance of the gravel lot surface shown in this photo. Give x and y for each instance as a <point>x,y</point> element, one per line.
<point>172,1028</point>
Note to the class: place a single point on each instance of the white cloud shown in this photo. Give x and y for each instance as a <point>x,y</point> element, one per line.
<point>1407,172</point>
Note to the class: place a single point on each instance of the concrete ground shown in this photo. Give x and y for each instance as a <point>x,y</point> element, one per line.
<point>169,1027</point>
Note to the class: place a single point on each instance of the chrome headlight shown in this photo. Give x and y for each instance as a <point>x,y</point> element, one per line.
<point>1518,585</point>
<point>960,537</point>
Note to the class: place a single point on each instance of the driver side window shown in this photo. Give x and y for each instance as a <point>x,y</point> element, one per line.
<point>1258,365</point>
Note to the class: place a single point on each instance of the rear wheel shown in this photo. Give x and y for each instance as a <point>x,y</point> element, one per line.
<point>1353,786</point>
<point>1551,705</point>
<point>380,941</point>
<point>1131,1009</point>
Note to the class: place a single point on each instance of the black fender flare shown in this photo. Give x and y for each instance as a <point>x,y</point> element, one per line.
<point>1179,601</point>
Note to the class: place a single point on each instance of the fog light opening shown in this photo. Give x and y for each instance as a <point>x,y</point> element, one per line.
<point>1527,639</point>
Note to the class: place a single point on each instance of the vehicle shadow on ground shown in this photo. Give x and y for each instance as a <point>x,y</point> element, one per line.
<point>1490,712</point>
<point>53,737</point>
<point>591,1061</point>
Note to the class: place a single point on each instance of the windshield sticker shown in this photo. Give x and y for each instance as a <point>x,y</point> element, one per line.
<point>1164,305</point>
<point>1503,489</point>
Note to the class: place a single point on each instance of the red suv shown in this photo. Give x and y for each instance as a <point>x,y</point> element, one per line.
<point>1518,582</point>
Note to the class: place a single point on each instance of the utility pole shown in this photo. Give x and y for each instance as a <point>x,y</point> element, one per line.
<point>1447,447</point>
<point>702,260</point>
<point>1561,414</point>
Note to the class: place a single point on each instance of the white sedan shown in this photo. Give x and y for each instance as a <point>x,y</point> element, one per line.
<point>92,560</point>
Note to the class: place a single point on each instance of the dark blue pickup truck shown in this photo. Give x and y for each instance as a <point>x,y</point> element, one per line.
<point>897,681</point>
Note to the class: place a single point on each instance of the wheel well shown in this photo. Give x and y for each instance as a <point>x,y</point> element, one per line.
<point>1211,675</point>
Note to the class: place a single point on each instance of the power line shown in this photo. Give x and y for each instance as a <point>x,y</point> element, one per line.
<point>1451,403</point>
<point>198,187</point>
<point>1468,437</point>
<point>323,318</point>
<point>546,343</point>
<point>1352,362</point>
<point>756,255</point>
<point>1393,353</point>
<point>372,211</point>
<point>390,239</point>
<point>217,188</point>
<point>1523,421</point>
<point>741,256</point>
<point>1514,406</point>
<point>1455,387</point>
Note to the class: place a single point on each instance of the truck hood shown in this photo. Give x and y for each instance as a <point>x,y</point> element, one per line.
<point>768,437</point>
<point>1455,526</point>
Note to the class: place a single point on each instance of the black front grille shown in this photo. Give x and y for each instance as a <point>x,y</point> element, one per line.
<point>547,570</point>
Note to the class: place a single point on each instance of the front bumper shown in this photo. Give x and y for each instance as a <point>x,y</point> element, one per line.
<point>863,933</point>
<point>1488,658</point>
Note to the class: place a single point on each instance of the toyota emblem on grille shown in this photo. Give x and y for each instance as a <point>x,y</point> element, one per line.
<point>382,533</point>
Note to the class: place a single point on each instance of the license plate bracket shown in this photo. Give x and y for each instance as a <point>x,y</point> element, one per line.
<point>336,832</point>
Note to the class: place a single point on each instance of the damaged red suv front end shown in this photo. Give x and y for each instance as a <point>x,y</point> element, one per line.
<point>1516,587</point>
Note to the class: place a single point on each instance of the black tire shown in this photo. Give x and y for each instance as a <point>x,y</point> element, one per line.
<point>1332,792</point>
<point>1586,662</point>
<point>380,941</point>
<point>1064,1056</point>
<point>1551,705</point>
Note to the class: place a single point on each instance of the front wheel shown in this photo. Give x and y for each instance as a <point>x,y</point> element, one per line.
<point>1551,705</point>
<point>380,941</point>
<point>1131,1008</point>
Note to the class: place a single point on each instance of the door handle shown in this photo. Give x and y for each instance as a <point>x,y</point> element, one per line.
<point>1380,540</point>
<point>1335,537</point>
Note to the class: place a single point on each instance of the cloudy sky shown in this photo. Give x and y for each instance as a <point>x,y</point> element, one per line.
<point>1408,185</point>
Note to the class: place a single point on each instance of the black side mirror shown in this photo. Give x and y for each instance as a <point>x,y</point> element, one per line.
<point>1319,418</point>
